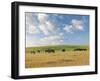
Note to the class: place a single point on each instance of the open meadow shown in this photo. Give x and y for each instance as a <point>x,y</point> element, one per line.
<point>56,56</point>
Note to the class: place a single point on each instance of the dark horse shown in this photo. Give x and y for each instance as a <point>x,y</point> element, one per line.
<point>63,50</point>
<point>32,52</point>
<point>80,49</point>
<point>50,51</point>
<point>38,51</point>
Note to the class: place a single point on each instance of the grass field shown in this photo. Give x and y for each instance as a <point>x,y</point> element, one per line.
<point>57,59</point>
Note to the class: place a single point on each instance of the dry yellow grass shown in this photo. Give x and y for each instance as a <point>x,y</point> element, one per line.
<point>69,58</point>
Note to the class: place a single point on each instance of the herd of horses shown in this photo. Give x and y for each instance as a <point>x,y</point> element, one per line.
<point>46,51</point>
<point>53,50</point>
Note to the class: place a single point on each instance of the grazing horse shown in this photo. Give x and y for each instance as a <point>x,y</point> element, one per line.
<point>80,49</point>
<point>38,51</point>
<point>63,50</point>
<point>50,51</point>
<point>32,52</point>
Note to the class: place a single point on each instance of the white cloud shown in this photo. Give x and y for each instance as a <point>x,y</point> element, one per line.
<point>61,40</point>
<point>49,40</point>
<point>78,24</point>
<point>75,25</point>
<point>42,18</point>
<point>55,37</point>
<point>52,40</point>
<point>68,28</point>
<point>44,29</point>
<point>61,34</point>
<point>45,24</point>
<point>33,30</point>
<point>30,25</point>
<point>50,26</point>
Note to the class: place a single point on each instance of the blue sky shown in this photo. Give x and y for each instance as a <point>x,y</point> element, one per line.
<point>56,29</point>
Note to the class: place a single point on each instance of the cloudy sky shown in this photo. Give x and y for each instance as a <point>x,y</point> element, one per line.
<point>56,29</point>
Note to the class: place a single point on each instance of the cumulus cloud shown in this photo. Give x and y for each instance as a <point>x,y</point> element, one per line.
<point>45,24</point>
<point>68,28</point>
<point>30,25</point>
<point>50,26</point>
<point>78,24</point>
<point>42,17</point>
<point>32,30</point>
<point>47,40</point>
<point>75,25</point>
<point>44,29</point>
<point>53,39</point>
